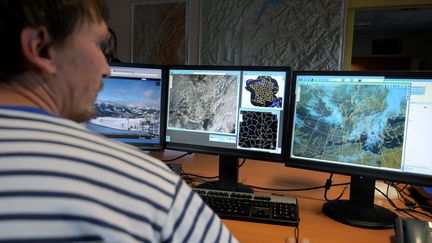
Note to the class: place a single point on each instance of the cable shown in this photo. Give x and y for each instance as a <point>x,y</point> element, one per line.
<point>185,177</point>
<point>286,190</point>
<point>296,189</point>
<point>327,187</point>
<point>181,156</point>
<point>405,198</point>
<point>297,232</point>
<point>407,210</point>
<point>241,164</point>
<point>274,189</point>
<point>200,176</point>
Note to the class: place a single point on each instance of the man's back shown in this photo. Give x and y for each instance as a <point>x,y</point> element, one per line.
<point>60,182</point>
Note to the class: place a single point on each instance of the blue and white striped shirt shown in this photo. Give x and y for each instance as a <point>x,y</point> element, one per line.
<point>61,183</point>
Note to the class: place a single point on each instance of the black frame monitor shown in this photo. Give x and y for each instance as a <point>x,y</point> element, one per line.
<point>232,111</point>
<point>370,125</point>
<point>130,107</point>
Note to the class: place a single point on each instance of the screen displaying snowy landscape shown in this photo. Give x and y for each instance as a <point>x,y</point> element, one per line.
<point>128,110</point>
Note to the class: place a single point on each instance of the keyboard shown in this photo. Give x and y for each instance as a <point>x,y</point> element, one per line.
<point>254,207</point>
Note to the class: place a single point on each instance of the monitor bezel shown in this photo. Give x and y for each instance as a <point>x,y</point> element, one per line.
<point>149,146</point>
<point>393,176</point>
<point>228,151</point>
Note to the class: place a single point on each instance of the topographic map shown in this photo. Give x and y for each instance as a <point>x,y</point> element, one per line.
<point>258,130</point>
<point>203,103</point>
<point>358,124</point>
<point>305,35</point>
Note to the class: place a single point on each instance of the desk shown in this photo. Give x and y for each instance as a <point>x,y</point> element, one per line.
<point>314,225</point>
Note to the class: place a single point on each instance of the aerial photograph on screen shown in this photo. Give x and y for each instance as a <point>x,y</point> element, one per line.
<point>357,124</point>
<point>128,109</point>
<point>258,130</point>
<point>263,90</point>
<point>203,103</point>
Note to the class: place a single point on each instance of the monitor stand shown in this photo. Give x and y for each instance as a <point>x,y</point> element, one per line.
<point>228,176</point>
<point>360,210</point>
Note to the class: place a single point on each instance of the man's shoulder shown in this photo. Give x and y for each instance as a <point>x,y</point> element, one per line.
<point>60,134</point>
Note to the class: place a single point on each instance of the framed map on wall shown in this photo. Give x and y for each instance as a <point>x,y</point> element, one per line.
<point>305,35</point>
<point>158,32</point>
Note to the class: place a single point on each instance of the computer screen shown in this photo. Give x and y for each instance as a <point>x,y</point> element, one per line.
<point>129,108</point>
<point>369,125</point>
<point>234,112</point>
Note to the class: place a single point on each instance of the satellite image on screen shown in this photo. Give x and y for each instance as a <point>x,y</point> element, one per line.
<point>258,130</point>
<point>263,91</point>
<point>203,102</point>
<point>358,124</point>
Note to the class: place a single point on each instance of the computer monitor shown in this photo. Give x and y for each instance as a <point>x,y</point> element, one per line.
<point>129,108</point>
<point>232,111</point>
<point>368,125</point>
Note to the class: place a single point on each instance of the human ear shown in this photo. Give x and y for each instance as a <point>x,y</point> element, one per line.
<point>37,49</point>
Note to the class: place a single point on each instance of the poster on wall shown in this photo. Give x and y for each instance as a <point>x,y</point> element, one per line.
<point>158,32</point>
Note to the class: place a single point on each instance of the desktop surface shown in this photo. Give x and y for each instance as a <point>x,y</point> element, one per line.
<point>314,225</point>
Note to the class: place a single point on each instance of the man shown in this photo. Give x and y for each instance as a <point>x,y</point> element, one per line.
<point>58,181</point>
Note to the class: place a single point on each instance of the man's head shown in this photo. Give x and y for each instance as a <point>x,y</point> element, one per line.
<point>51,53</point>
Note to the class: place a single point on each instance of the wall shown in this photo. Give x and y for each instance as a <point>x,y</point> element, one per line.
<point>416,44</point>
<point>120,22</point>
<point>416,52</point>
<point>354,5</point>
<point>297,33</point>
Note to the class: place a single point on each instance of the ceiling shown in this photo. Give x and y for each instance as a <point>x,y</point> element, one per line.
<point>396,20</point>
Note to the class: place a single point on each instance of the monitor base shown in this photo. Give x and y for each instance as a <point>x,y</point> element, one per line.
<point>228,176</point>
<point>375,217</point>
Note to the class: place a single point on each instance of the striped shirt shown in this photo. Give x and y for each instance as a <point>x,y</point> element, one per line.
<point>61,183</point>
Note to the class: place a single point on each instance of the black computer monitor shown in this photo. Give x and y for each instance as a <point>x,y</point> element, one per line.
<point>368,125</point>
<point>129,108</point>
<point>232,111</point>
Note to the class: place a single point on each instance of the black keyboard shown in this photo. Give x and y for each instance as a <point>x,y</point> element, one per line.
<point>254,207</point>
